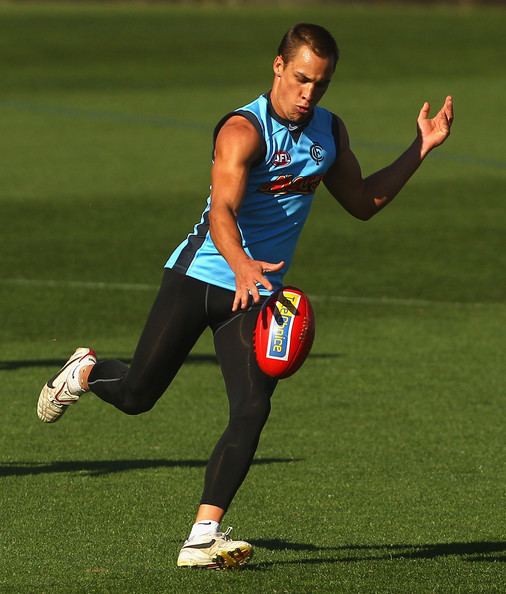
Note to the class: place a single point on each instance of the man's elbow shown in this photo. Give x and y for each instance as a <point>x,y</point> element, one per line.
<point>220,211</point>
<point>220,216</point>
<point>365,214</point>
<point>359,205</point>
<point>214,222</point>
<point>369,208</point>
<point>364,217</point>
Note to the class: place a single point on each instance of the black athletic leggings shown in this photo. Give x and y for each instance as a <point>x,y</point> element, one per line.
<point>182,310</point>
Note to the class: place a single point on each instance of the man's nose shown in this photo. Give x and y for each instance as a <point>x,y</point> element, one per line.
<point>308,92</point>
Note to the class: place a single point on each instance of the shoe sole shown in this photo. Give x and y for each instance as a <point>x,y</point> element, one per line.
<point>47,411</point>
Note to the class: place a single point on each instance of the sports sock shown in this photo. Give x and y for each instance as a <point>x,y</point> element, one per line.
<point>74,380</point>
<point>204,527</point>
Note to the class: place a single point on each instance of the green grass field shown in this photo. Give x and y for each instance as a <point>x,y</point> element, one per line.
<point>382,467</point>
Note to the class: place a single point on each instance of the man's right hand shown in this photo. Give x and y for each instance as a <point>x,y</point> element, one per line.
<point>248,274</point>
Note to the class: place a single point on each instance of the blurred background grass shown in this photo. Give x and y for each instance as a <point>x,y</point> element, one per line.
<point>124,101</point>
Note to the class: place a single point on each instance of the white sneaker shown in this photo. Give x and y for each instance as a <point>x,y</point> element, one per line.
<point>214,551</point>
<point>57,395</point>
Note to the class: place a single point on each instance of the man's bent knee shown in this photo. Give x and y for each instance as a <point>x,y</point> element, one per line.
<point>136,405</point>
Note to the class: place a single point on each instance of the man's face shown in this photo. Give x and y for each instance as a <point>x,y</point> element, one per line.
<point>300,83</point>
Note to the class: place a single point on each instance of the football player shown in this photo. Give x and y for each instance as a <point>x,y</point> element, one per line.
<point>269,158</point>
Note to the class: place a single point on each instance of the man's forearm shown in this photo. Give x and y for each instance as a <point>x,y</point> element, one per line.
<point>226,235</point>
<point>382,187</point>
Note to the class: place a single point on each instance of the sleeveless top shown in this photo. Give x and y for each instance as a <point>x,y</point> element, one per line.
<point>278,196</point>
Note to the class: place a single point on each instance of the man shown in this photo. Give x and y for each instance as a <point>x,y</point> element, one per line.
<point>269,158</point>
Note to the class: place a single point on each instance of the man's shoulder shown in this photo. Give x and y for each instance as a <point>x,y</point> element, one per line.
<point>252,112</point>
<point>238,125</point>
<point>257,105</point>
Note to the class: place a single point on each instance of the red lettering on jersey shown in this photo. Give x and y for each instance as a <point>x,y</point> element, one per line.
<point>290,184</point>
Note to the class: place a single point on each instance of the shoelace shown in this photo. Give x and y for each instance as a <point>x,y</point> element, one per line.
<point>226,534</point>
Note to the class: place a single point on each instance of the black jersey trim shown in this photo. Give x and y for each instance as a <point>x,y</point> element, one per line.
<point>251,117</point>
<point>194,243</point>
<point>336,133</point>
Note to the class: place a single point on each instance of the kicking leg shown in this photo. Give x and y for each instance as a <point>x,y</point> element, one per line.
<point>175,322</point>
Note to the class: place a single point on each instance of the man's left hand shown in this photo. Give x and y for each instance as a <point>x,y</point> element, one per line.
<point>434,131</point>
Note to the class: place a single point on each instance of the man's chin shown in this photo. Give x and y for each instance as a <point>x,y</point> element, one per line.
<point>300,117</point>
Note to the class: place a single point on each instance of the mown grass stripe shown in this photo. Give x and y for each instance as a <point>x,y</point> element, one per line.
<point>112,286</point>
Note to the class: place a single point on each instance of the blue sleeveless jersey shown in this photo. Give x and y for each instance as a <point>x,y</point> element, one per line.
<point>278,197</point>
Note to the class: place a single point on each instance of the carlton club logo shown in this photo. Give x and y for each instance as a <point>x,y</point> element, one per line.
<point>281,158</point>
<point>317,153</point>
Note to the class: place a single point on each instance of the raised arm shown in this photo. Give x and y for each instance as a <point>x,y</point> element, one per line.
<point>363,198</point>
<point>238,145</point>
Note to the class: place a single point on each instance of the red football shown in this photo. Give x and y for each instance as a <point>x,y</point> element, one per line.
<point>284,332</point>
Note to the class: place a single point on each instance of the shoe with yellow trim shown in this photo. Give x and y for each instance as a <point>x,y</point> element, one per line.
<point>215,551</point>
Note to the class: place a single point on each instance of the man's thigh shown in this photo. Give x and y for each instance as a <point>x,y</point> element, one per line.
<point>174,324</point>
<point>247,386</point>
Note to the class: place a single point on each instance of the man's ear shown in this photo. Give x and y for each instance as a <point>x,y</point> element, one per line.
<point>278,66</point>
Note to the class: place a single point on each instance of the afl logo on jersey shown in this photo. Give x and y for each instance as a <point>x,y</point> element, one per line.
<point>281,158</point>
<point>317,153</point>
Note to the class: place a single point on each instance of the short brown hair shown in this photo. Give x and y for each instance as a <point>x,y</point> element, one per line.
<point>317,38</point>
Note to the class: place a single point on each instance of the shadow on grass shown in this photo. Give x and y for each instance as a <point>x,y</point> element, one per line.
<point>57,363</point>
<point>468,551</point>
<point>192,359</point>
<point>103,467</point>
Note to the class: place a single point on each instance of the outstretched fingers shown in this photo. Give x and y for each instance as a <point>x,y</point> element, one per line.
<point>249,278</point>
<point>434,131</point>
<point>448,109</point>
<point>445,116</point>
<point>424,112</point>
<point>445,112</point>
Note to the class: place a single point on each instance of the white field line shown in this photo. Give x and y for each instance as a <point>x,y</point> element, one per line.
<point>69,284</point>
<point>97,285</point>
